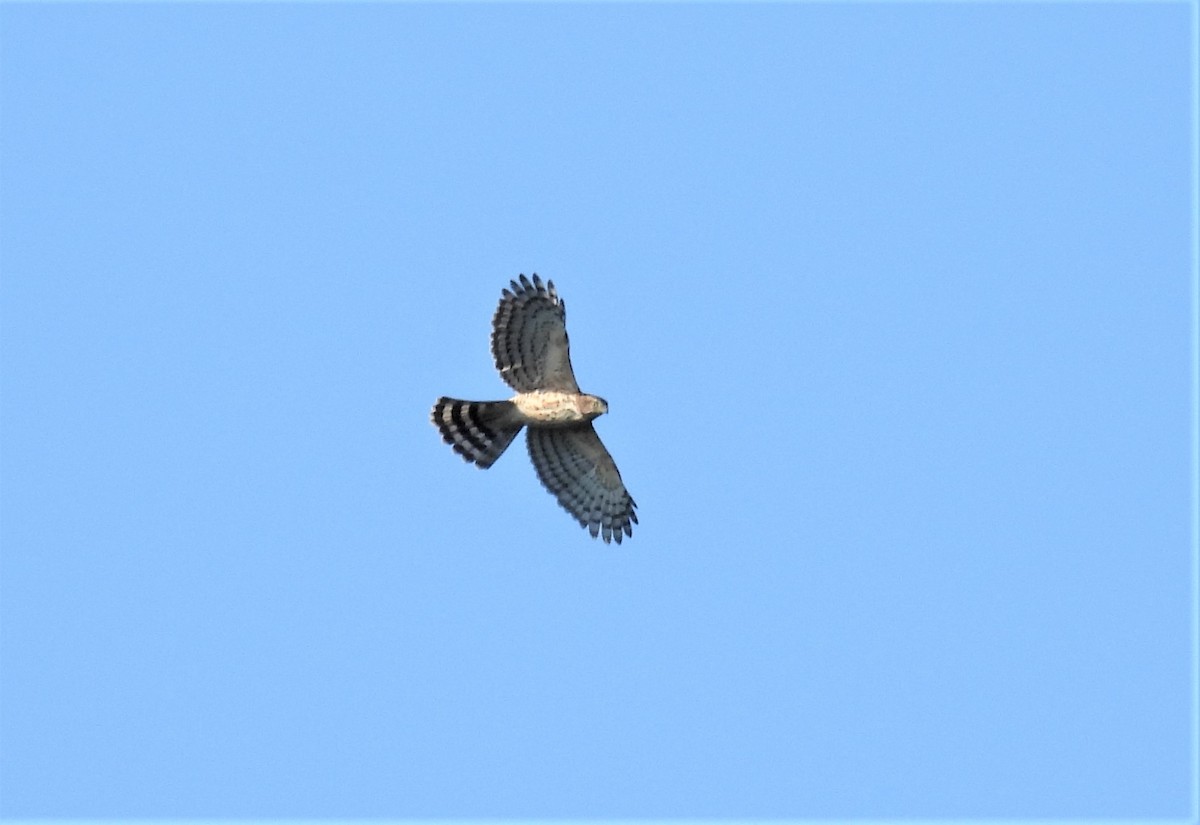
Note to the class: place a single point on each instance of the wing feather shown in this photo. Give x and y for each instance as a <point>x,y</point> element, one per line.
<point>529,338</point>
<point>575,467</point>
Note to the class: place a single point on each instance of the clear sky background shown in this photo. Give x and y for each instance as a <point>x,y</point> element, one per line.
<point>892,308</point>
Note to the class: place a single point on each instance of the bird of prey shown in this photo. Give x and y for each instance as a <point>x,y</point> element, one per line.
<point>530,347</point>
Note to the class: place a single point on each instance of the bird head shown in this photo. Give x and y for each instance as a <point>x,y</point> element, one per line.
<point>593,406</point>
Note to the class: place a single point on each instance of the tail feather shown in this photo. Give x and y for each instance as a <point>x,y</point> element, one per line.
<point>479,431</point>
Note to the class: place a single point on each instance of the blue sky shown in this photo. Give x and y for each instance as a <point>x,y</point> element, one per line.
<point>891,303</point>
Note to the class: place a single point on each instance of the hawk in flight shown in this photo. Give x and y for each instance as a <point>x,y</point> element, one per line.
<point>529,344</point>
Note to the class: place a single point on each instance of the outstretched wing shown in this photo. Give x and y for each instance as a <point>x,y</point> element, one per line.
<point>529,338</point>
<point>573,465</point>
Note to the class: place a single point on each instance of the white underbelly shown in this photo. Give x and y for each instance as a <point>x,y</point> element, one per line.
<point>549,408</point>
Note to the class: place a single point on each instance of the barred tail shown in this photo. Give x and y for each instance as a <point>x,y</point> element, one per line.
<point>479,431</point>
